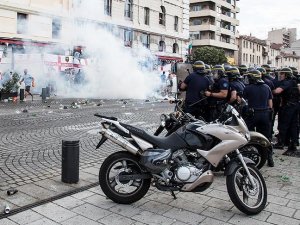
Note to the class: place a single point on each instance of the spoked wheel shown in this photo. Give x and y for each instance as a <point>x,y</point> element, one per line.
<point>256,153</point>
<point>120,191</point>
<point>250,200</point>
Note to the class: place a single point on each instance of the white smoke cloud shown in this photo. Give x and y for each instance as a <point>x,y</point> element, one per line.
<point>114,71</point>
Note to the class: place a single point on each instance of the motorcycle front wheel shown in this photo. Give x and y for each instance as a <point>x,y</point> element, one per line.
<point>256,153</point>
<point>123,192</point>
<point>248,199</point>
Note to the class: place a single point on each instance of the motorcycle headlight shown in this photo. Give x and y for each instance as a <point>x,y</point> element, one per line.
<point>163,119</point>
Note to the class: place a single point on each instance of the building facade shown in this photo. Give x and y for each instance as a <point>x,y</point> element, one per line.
<point>252,51</point>
<point>283,36</point>
<point>213,23</point>
<point>160,26</point>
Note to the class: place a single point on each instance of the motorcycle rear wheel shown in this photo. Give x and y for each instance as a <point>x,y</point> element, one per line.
<point>123,192</point>
<point>256,153</point>
<point>241,192</point>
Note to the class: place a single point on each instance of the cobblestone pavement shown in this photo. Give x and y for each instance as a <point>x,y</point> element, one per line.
<point>30,151</point>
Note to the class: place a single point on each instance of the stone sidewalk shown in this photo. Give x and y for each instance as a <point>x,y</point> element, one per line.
<point>210,207</point>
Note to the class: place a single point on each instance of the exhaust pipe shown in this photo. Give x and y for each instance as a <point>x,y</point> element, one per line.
<point>118,139</point>
<point>7,209</point>
<point>206,177</point>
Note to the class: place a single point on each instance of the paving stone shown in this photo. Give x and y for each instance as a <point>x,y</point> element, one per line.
<point>193,197</point>
<point>222,214</point>
<point>297,215</point>
<point>91,211</point>
<point>69,202</point>
<point>184,216</point>
<point>54,212</point>
<point>294,204</point>
<point>245,220</point>
<point>277,200</point>
<point>210,221</point>
<point>7,222</point>
<point>100,201</point>
<point>279,209</point>
<point>125,210</point>
<point>116,220</point>
<point>44,221</point>
<point>79,220</point>
<point>25,217</point>
<point>36,191</point>
<point>155,207</point>
<point>83,194</point>
<point>160,197</point>
<point>188,205</point>
<point>219,194</point>
<point>220,204</point>
<point>20,199</point>
<point>151,218</point>
<point>53,185</point>
<point>278,219</point>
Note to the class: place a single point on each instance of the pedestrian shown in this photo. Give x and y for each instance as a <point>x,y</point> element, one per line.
<point>29,82</point>
<point>169,84</point>
<point>259,98</point>
<point>163,78</point>
<point>289,110</point>
<point>217,93</point>
<point>195,84</point>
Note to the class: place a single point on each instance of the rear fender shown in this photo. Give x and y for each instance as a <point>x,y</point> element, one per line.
<point>233,164</point>
<point>258,139</point>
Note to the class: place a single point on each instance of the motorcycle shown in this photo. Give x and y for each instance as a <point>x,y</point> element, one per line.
<point>183,161</point>
<point>256,149</point>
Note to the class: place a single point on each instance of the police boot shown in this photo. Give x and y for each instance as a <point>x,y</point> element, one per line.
<point>270,157</point>
<point>291,149</point>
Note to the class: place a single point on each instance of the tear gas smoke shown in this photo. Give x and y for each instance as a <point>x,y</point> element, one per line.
<point>113,71</point>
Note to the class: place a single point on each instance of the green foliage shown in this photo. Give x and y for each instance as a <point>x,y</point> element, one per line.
<point>210,55</point>
<point>11,85</point>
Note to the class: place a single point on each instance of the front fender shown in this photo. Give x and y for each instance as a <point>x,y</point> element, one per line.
<point>259,139</point>
<point>233,164</point>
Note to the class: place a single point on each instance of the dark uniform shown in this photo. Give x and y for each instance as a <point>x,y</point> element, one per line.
<point>258,95</point>
<point>196,83</point>
<point>289,110</point>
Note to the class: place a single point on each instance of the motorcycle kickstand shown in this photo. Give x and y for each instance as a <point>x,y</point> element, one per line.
<point>173,194</point>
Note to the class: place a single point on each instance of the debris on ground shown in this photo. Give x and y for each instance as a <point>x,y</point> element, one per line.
<point>285,178</point>
<point>11,191</point>
<point>7,209</point>
<point>65,107</point>
<point>25,111</point>
<point>147,100</point>
<point>74,105</point>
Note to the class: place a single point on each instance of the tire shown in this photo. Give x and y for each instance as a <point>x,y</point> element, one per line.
<point>134,167</point>
<point>238,181</point>
<point>256,153</point>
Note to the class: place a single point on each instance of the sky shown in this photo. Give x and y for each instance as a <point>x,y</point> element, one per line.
<point>260,16</point>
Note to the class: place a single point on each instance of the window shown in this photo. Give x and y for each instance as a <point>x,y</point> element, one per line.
<point>128,34</point>
<point>175,48</point>
<point>107,7</point>
<point>147,15</point>
<point>145,39</point>
<point>195,35</point>
<point>196,8</point>
<point>128,9</point>
<point>56,28</point>
<point>196,22</point>
<point>162,16</point>
<point>176,23</point>
<point>244,57</point>
<point>162,46</point>
<point>22,23</point>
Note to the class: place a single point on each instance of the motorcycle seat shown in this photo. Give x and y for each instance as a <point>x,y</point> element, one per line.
<point>173,141</point>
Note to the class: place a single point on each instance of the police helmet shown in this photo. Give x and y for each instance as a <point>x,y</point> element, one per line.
<point>262,70</point>
<point>255,76</point>
<point>232,73</point>
<point>243,69</point>
<point>218,71</point>
<point>294,70</point>
<point>287,71</point>
<point>267,68</point>
<point>199,66</point>
<point>207,68</point>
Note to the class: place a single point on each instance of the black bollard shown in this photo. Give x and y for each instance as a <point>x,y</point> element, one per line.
<point>70,162</point>
<point>48,91</point>
<point>43,94</point>
<point>22,94</point>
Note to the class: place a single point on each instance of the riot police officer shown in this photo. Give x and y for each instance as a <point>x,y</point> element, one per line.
<point>217,93</point>
<point>297,79</point>
<point>195,84</point>
<point>289,110</point>
<point>259,97</point>
<point>236,87</point>
<point>243,71</point>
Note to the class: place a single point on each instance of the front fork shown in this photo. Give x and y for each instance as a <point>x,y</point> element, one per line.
<point>239,155</point>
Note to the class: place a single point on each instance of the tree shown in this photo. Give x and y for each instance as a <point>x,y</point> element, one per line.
<point>11,85</point>
<point>210,55</point>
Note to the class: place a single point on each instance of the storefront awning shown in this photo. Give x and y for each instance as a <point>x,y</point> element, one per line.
<point>20,42</point>
<point>169,58</point>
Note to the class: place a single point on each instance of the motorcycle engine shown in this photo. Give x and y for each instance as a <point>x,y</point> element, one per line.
<point>186,171</point>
